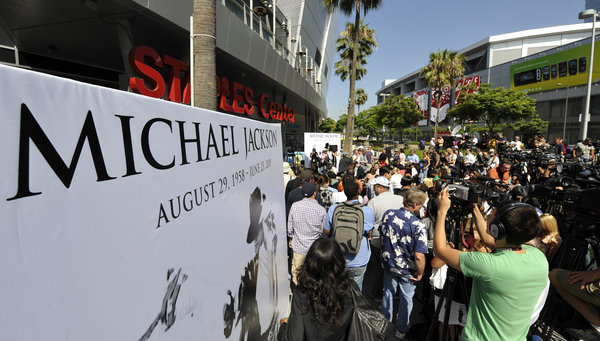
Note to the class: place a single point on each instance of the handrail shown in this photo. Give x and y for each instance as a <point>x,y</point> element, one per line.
<point>250,19</point>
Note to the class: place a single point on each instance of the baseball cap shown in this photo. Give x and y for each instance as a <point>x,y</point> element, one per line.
<point>309,189</point>
<point>381,181</point>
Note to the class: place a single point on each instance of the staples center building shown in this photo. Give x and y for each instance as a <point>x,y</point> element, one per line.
<point>550,64</point>
<point>274,57</point>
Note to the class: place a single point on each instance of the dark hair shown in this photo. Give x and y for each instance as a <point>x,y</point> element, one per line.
<point>521,224</point>
<point>351,187</point>
<point>322,179</point>
<point>331,175</point>
<point>384,170</point>
<point>307,175</point>
<point>406,180</point>
<point>325,281</point>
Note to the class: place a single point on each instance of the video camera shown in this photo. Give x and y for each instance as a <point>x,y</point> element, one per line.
<point>465,193</point>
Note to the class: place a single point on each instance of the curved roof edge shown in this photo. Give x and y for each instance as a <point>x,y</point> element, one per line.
<point>500,38</point>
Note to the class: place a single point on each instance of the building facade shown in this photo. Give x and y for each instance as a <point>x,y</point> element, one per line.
<point>274,57</point>
<point>550,64</point>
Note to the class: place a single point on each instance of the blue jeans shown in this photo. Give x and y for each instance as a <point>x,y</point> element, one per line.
<point>358,274</point>
<point>423,174</point>
<point>391,282</point>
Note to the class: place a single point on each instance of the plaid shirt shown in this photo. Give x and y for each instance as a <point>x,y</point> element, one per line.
<point>305,224</point>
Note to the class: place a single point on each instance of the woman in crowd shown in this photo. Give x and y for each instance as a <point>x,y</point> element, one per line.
<point>372,172</point>
<point>425,163</point>
<point>322,304</point>
<point>549,234</point>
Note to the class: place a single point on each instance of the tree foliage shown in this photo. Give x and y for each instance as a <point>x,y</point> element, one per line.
<point>495,107</point>
<point>397,112</point>
<point>535,126</point>
<point>412,132</point>
<point>444,68</point>
<point>340,124</point>
<point>348,7</point>
<point>328,125</point>
<point>345,46</point>
<point>366,123</point>
<point>361,98</point>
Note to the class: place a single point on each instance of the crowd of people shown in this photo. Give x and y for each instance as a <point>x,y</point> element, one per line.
<point>383,215</point>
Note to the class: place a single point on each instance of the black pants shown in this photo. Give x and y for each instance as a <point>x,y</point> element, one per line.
<point>373,281</point>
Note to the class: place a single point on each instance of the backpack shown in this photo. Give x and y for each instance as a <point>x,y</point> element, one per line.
<point>326,198</point>
<point>348,226</point>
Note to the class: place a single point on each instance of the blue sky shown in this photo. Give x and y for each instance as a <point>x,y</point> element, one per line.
<point>408,31</point>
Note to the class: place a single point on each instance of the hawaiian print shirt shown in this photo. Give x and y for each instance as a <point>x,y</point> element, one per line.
<point>402,234</point>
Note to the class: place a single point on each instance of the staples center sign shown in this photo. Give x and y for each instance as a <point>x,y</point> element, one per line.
<point>232,96</point>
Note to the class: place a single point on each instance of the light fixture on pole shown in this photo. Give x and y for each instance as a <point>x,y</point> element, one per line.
<point>564,136</point>
<point>586,114</point>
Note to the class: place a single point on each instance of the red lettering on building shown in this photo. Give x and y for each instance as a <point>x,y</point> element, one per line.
<point>231,96</point>
<point>263,98</point>
<point>137,60</point>
<point>177,67</point>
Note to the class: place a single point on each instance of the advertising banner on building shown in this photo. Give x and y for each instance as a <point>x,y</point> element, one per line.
<point>443,98</point>
<point>131,218</point>
<point>465,86</point>
<point>319,142</point>
<point>422,100</point>
<point>554,71</point>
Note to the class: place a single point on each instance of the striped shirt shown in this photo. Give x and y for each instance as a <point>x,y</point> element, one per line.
<point>305,224</point>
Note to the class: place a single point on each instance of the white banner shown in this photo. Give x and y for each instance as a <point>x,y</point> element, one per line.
<point>319,141</point>
<point>130,218</point>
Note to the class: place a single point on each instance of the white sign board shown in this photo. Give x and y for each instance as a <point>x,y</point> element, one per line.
<point>319,141</point>
<point>130,218</point>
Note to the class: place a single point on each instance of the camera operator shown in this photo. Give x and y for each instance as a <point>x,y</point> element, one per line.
<point>502,172</point>
<point>507,283</point>
<point>582,151</point>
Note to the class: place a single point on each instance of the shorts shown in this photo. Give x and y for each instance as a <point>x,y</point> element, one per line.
<point>458,312</point>
<point>590,293</point>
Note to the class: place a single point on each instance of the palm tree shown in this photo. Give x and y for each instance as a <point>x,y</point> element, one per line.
<point>348,7</point>
<point>345,46</point>
<point>444,68</point>
<point>205,70</point>
<point>361,98</point>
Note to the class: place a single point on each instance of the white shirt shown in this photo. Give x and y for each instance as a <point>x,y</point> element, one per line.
<point>493,162</point>
<point>469,159</point>
<point>516,145</point>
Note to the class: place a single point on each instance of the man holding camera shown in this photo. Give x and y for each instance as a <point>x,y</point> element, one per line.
<point>507,283</point>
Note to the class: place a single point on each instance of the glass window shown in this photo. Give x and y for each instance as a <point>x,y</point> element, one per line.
<point>556,108</point>
<point>575,106</point>
<point>595,106</point>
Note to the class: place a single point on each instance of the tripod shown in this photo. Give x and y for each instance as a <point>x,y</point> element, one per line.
<point>453,278</point>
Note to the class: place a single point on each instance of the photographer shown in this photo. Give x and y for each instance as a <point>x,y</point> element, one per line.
<point>508,282</point>
<point>502,172</point>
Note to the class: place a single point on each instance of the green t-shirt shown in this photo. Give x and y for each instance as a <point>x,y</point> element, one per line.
<point>506,288</point>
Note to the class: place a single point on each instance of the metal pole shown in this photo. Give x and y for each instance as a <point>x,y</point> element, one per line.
<point>192,61</point>
<point>589,85</point>
<point>564,136</point>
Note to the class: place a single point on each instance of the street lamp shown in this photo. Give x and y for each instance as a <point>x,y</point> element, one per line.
<point>564,136</point>
<point>584,15</point>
